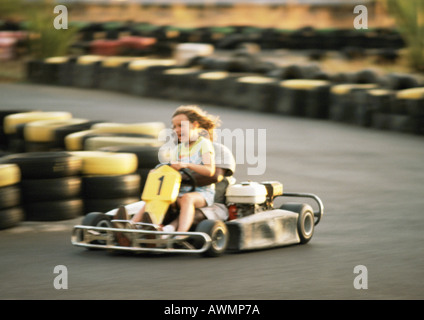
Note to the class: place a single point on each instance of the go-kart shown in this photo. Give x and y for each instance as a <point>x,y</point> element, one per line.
<point>253,221</point>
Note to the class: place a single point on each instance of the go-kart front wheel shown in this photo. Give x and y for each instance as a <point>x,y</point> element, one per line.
<point>96,219</point>
<point>218,232</point>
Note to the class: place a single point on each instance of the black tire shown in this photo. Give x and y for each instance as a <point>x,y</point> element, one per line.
<point>61,132</point>
<point>95,219</point>
<point>54,210</point>
<point>51,189</point>
<point>11,217</point>
<point>143,177</point>
<point>402,123</point>
<point>380,120</point>
<point>366,76</point>
<point>111,186</point>
<point>305,222</point>
<point>3,135</point>
<point>10,196</point>
<point>218,232</point>
<point>30,146</point>
<point>104,205</point>
<point>45,165</point>
<point>399,81</point>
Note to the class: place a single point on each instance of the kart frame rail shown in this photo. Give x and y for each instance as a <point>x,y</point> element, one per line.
<point>83,235</point>
<point>317,214</point>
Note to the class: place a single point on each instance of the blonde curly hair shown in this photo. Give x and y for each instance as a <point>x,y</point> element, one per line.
<point>193,113</point>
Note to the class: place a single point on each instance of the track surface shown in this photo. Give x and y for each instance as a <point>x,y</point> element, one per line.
<point>371,183</point>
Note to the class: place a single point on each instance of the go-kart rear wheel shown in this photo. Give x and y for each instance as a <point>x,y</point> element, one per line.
<point>305,221</point>
<point>218,232</point>
<point>96,219</point>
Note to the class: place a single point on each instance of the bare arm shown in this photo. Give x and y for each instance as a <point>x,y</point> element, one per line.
<point>206,169</point>
<point>204,180</point>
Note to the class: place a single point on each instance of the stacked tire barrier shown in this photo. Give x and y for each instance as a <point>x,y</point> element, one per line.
<point>116,159</point>
<point>106,39</point>
<point>344,106</point>
<point>108,180</point>
<point>69,175</point>
<point>11,211</point>
<point>50,185</point>
<point>147,158</point>
<point>365,98</point>
<point>305,98</point>
<point>140,76</point>
<point>14,127</point>
<point>409,107</point>
<point>140,139</point>
<point>5,138</point>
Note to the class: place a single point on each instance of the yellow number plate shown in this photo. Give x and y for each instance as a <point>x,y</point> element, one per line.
<point>161,189</point>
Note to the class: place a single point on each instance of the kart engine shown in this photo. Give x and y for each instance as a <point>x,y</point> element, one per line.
<point>247,198</point>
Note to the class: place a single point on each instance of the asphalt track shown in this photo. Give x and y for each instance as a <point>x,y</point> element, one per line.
<point>371,183</point>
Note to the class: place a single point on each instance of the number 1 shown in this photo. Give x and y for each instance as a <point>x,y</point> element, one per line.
<point>160,185</point>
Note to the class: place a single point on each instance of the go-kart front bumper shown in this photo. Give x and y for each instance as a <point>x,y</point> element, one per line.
<point>140,240</point>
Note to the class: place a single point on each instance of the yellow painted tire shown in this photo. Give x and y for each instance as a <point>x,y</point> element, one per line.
<point>13,120</point>
<point>75,141</point>
<point>10,174</point>
<point>96,143</point>
<point>142,64</point>
<point>43,130</point>
<point>148,128</point>
<point>89,59</point>
<point>343,89</point>
<point>411,94</point>
<point>107,163</point>
<point>303,84</point>
<point>410,101</point>
<point>303,97</point>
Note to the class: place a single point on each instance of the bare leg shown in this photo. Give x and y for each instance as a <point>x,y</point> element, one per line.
<point>139,215</point>
<point>198,217</point>
<point>188,204</point>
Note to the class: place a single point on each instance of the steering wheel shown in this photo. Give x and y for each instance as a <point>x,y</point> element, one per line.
<point>191,180</point>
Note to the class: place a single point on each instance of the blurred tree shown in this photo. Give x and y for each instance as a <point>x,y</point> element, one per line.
<point>46,40</point>
<point>409,17</point>
<point>37,17</point>
<point>9,9</point>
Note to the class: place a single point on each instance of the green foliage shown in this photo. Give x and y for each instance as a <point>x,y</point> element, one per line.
<point>9,8</point>
<point>38,17</point>
<point>409,17</point>
<point>46,40</point>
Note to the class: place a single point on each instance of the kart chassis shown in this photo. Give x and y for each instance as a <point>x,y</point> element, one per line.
<point>145,240</point>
